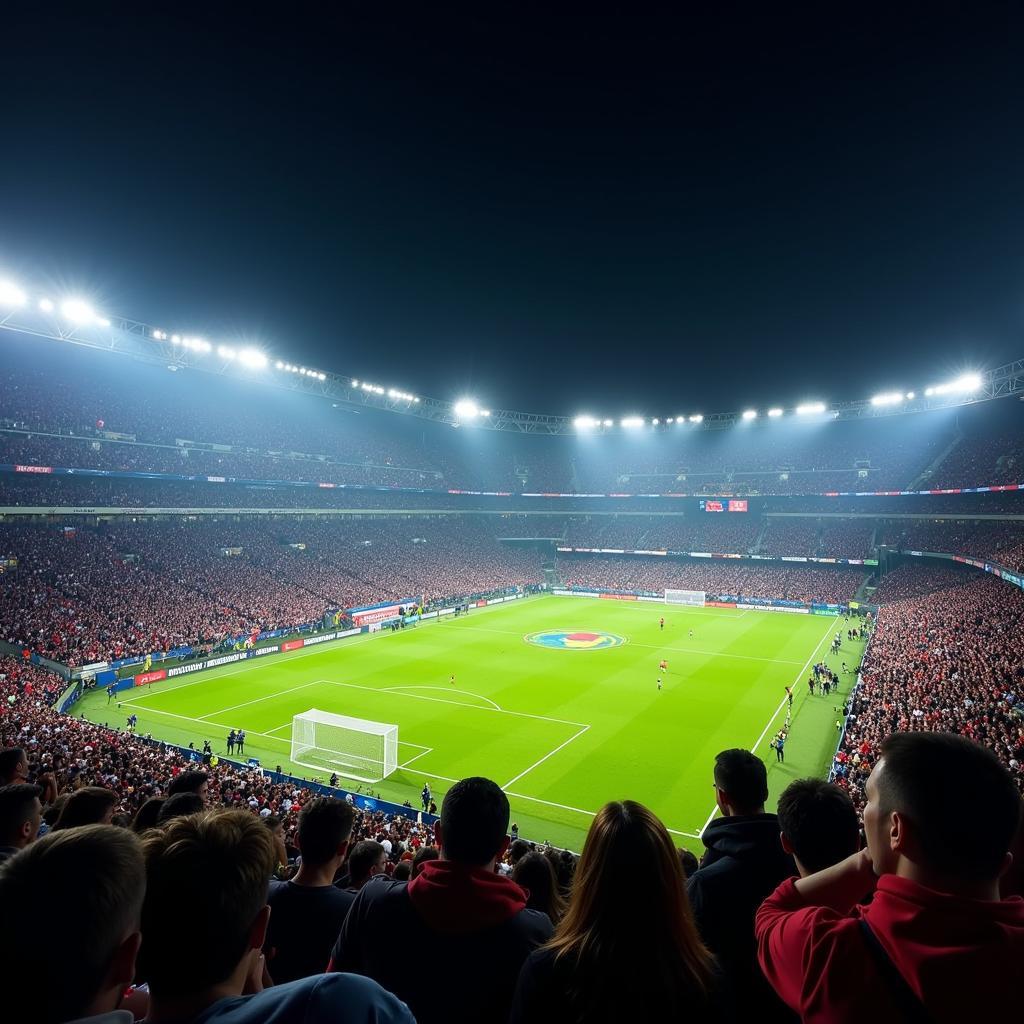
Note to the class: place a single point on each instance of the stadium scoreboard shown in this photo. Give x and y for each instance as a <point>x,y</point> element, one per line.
<point>732,505</point>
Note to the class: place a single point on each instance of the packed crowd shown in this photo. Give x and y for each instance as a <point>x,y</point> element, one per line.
<point>981,459</point>
<point>947,655</point>
<point>782,582</point>
<point>307,910</point>
<point>81,595</point>
<point>698,531</point>
<point>994,540</point>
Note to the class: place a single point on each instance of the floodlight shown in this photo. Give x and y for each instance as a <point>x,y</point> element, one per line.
<point>910,395</point>
<point>225,352</point>
<point>697,418</point>
<point>466,409</point>
<point>609,423</point>
<point>888,398</point>
<point>671,419</point>
<point>176,339</point>
<point>968,382</point>
<point>809,408</point>
<point>585,422</point>
<point>11,295</point>
<point>77,310</point>
<point>656,421</point>
<point>279,365</point>
<point>46,305</point>
<point>775,413</point>
<point>252,358</point>
<point>485,412</point>
<point>750,414</point>
<point>631,422</point>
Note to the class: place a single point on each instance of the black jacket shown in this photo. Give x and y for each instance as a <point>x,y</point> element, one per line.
<point>743,863</point>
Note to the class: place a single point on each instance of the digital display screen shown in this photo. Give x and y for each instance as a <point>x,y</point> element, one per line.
<point>732,505</point>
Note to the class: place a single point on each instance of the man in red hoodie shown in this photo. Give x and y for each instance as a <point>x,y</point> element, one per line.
<point>935,943</point>
<point>463,929</point>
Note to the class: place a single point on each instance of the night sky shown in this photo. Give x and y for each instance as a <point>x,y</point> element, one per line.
<point>553,213</point>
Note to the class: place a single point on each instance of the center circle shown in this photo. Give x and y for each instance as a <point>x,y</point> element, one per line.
<point>577,640</point>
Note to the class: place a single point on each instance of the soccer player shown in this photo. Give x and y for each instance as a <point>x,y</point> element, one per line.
<point>661,622</point>
<point>663,665</point>
<point>691,634</point>
<point>659,684</point>
<point>452,680</point>
<point>240,740</point>
<point>789,695</point>
<point>231,742</point>
<point>425,796</point>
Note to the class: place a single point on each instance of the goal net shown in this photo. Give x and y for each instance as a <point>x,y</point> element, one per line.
<point>694,598</point>
<point>353,747</point>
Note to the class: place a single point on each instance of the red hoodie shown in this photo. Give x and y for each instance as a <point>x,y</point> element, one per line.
<point>961,957</point>
<point>453,898</point>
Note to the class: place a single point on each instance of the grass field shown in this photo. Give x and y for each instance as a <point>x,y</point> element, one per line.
<point>562,730</point>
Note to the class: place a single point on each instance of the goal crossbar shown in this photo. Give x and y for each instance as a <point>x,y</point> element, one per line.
<point>354,747</point>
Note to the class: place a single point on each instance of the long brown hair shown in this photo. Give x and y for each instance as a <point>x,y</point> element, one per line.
<point>628,911</point>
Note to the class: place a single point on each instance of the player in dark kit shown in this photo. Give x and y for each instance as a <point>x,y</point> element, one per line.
<point>661,622</point>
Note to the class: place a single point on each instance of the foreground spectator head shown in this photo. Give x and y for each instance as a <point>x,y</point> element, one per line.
<point>208,875</point>
<point>741,783</point>
<point>13,766</point>
<point>473,828</point>
<point>325,827</point>
<point>205,875</point>
<point>367,859</point>
<point>92,805</point>
<point>689,862</point>
<point>628,917</point>
<point>46,899</point>
<point>422,855</point>
<point>180,805</point>
<point>536,875</point>
<point>147,815</point>
<point>190,782</point>
<point>940,809</point>
<point>818,823</point>
<point>20,816</point>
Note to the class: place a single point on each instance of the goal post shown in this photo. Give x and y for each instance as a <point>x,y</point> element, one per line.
<point>353,747</point>
<point>693,598</point>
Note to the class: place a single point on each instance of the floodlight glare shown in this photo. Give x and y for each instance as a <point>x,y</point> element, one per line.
<point>11,295</point>
<point>671,419</point>
<point>102,321</point>
<point>585,422</point>
<point>750,414</point>
<point>968,382</point>
<point>656,421</point>
<point>809,408</point>
<point>225,352</point>
<point>252,358</point>
<point>888,398</point>
<point>775,413</point>
<point>697,418</point>
<point>77,310</point>
<point>609,423</point>
<point>910,395</point>
<point>46,305</point>
<point>631,422</point>
<point>466,409</point>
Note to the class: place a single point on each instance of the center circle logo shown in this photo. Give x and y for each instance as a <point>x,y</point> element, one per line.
<point>560,640</point>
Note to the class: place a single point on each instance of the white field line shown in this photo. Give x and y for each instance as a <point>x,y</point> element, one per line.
<point>457,703</point>
<point>550,753</point>
<point>198,721</point>
<point>256,700</point>
<point>441,689</point>
<point>422,753</point>
<point>764,732</point>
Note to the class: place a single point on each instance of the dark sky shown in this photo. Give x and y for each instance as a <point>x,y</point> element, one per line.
<point>554,212</point>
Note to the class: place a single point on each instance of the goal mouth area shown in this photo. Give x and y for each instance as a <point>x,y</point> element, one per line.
<point>354,747</point>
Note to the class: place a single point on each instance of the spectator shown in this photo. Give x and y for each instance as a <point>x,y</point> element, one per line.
<point>21,814</point>
<point>535,874</point>
<point>402,871</point>
<point>460,917</point>
<point>71,934</point>
<point>422,856</point>
<point>307,912</point>
<point>180,805</point>
<point>190,782</point>
<point>366,860</point>
<point>935,942</point>
<point>818,823</point>
<point>147,815</point>
<point>689,862</point>
<point>92,805</point>
<point>276,827</point>
<point>627,948</point>
<point>743,863</point>
<point>207,879</point>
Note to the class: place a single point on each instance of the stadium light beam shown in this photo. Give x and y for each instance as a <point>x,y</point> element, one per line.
<point>11,295</point>
<point>252,358</point>
<point>775,413</point>
<point>749,414</point>
<point>810,408</point>
<point>585,422</point>
<point>466,409</point>
<point>697,418</point>
<point>77,311</point>
<point>888,398</point>
<point>962,385</point>
<point>631,422</point>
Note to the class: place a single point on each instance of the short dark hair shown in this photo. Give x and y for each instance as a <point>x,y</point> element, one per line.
<point>422,855</point>
<point>364,855</point>
<point>689,862</point>
<point>518,849</point>
<point>403,871</point>
<point>147,814</point>
<point>187,782</point>
<point>87,883</point>
<point>179,806</point>
<point>324,824</point>
<point>10,758</point>
<point>939,781</point>
<point>474,821</point>
<point>16,807</point>
<point>742,775</point>
<point>820,822</point>
<point>207,874</point>
<point>86,807</point>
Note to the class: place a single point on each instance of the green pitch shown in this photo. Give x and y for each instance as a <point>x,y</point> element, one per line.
<point>554,698</point>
